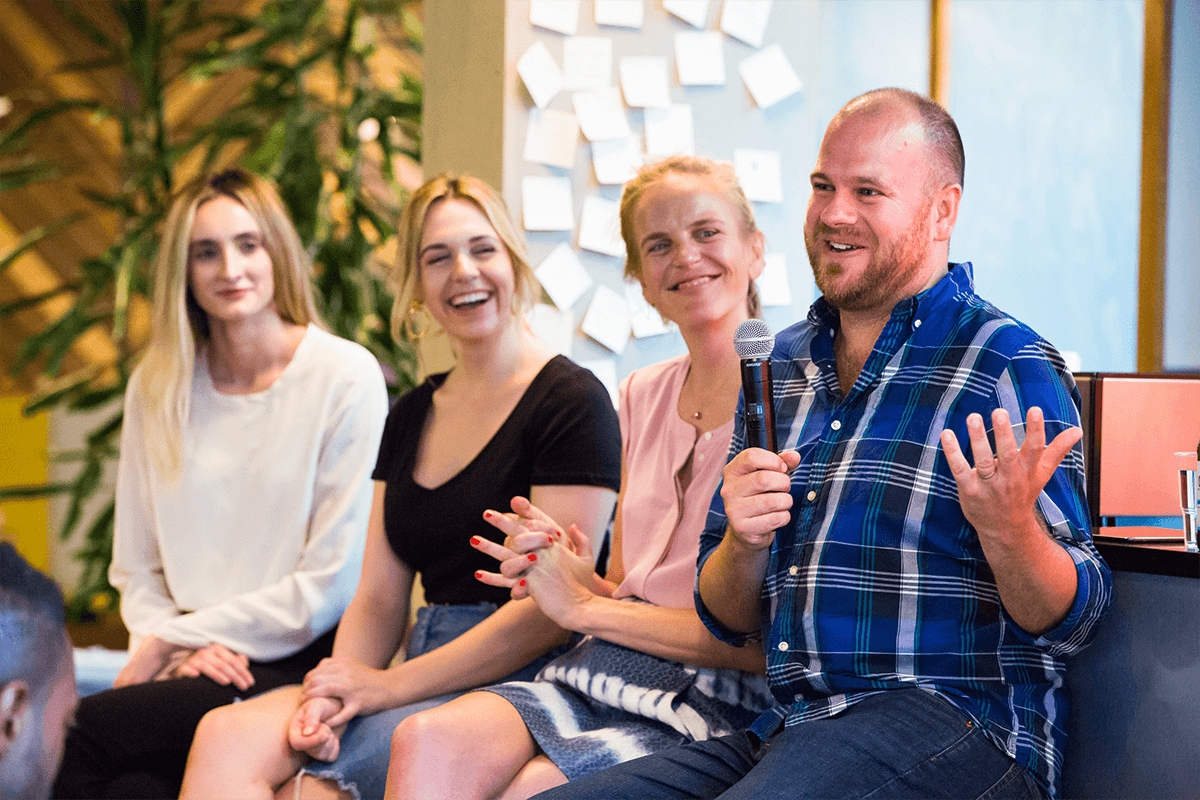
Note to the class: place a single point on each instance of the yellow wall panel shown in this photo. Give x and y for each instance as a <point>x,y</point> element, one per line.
<point>24,460</point>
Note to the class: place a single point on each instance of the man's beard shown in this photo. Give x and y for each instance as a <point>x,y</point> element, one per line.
<point>888,274</point>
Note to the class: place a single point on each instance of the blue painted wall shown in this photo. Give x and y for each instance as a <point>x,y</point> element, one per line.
<point>1181,343</point>
<point>1048,97</point>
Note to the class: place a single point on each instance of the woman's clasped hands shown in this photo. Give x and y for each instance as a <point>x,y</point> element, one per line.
<point>335,691</point>
<point>540,560</point>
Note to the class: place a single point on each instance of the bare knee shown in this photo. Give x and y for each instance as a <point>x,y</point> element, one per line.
<point>220,723</point>
<point>241,750</point>
<point>418,734</point>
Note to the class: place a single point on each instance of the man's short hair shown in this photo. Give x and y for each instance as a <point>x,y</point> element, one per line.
<point>32,623</point>
<point>941,134</point>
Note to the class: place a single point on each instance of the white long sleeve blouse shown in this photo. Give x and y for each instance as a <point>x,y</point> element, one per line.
<point>258,544</point>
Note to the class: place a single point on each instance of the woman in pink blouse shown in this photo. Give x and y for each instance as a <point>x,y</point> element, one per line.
<point>646,674</point>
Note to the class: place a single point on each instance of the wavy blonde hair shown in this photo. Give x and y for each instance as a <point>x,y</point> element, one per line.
<point>720,173</point>
<point>164,385</point>
<point>406,277</point>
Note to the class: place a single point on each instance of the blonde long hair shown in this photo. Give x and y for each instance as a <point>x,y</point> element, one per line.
<point>164,385</point>
<point>406,278</point>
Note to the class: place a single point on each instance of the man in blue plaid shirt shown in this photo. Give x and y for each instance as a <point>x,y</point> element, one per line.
<point>916,605</point>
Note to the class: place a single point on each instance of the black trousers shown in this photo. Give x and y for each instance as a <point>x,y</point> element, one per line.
<point>133,742</point>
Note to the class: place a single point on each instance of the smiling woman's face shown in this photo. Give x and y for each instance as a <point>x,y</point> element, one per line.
<point>697,260</point>
<point>467,279</point>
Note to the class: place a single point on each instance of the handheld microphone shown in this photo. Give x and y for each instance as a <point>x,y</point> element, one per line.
<point>753,342</point>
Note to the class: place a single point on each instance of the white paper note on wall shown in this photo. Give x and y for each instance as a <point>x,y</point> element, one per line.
<point>693,12</point>
<point>551,137</point>
<point>620,13</point>
<point>540,74</point>
<point>700,58</point>
<point>560,16</point>
<point>616,160</point>
<point>746,20</point>
<point>600,113</point>
<point>607,319</point>
<point>600,227</point>
<point>553,326</point>
<point>769,76</point>
<point>644,81</point>
<point>563,276</point>
<point>546,203</point>
<point>759,174</point>
<point>587,62</point>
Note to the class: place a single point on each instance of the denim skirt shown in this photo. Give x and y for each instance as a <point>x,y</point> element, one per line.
<point>362,762</point>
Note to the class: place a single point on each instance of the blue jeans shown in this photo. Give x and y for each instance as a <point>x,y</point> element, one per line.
<point>362,763</point>
<point>901,744</point>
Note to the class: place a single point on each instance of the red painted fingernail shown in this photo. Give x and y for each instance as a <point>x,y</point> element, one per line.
<point>478,575</point>
<point>522,582</point>
<point>533,556</point>
<point>474,541</point>
<point>487,515</point>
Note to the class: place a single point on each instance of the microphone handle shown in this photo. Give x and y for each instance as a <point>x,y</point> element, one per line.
<point>758,403</point>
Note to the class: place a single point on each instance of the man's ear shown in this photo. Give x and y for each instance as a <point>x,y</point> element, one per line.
<point>945,211</point>
<point>14,707</point>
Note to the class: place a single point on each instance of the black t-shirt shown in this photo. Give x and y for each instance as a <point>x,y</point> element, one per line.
<point>563,431</point>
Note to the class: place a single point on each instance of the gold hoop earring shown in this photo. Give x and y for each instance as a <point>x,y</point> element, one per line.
<point>414,330</point>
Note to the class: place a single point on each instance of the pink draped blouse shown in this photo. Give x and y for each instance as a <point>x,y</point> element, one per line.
<point>661,519</point>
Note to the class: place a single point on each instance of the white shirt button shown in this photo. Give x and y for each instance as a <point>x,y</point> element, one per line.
<point>699,456</point>
<point>811,496</point>
<point>836,425</point>
<point>708,435</point>
<point>793,570</point>
<point>916,323</point>
<point>783,646</point>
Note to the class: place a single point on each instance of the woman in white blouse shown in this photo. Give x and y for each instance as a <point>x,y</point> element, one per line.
<point>243,490</point>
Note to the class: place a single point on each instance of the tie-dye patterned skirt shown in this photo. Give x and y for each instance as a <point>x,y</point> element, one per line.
<point>601,704</point>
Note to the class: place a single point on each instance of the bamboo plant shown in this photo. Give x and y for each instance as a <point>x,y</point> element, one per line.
<point>304,120</point>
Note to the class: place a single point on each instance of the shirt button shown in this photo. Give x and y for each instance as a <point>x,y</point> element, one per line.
<point>699,456</point>
<point>916,323</point>
<point>811,496</point>
<point>836,425</point>
<point>708,435</point>
<point>783,647</point>
<point>793,570</point>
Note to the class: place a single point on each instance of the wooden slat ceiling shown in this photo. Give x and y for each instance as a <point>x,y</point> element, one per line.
<point>35,41</point>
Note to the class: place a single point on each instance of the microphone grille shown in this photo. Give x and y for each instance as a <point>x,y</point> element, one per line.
<point>753,339</point>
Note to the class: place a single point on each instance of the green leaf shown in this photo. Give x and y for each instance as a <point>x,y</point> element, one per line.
<point>55,391</point>
<point>101,529</point>
<point>83,24</point>
<point>12,138</point>
<point>106,432</point>
<point>33,492</point>
<point>26,302</point>
<point>15,177</point>
<point>32,237</point>
<point>56,340</point>
<point>121,300</point>
<point>83,487</point>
